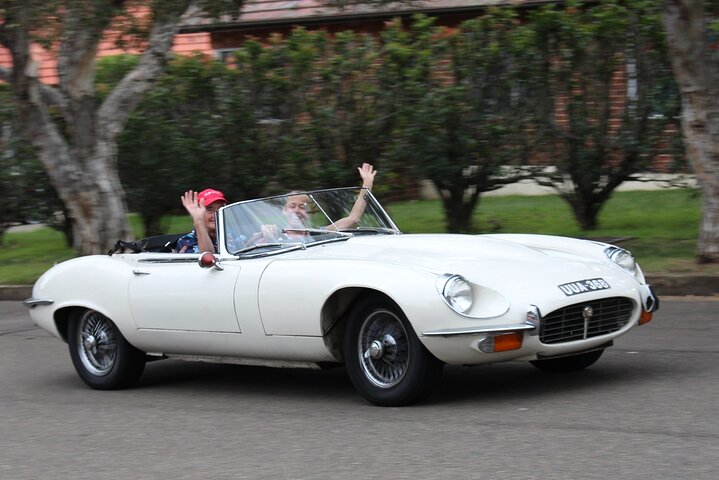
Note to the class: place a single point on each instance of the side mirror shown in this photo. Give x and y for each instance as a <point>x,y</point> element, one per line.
<point>208,260</point>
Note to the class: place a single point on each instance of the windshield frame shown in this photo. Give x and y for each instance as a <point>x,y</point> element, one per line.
<point>340,235</point>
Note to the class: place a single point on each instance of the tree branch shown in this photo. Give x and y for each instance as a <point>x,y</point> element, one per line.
<point>118,106</point>
<point>83,28</point>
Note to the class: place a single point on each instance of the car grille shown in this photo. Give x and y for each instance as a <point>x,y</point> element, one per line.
<point>572,323</point>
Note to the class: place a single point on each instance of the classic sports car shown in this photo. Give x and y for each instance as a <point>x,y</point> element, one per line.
<point>304,289</point>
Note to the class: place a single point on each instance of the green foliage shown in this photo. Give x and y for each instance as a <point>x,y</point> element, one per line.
<point>344,125</point>
<point>110,70</point>
<point>27,193</point>
<point>662,225</point>
<point>659,227</point>
<point>25,256</point>
<point>264,111</point>
<point>172,141</point>
<point>463,108</point>
<point>597,135</point>
<point>459,106</point>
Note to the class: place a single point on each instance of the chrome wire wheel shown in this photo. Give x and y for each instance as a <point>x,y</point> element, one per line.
<point>383,348</point>
<point>97,343</point>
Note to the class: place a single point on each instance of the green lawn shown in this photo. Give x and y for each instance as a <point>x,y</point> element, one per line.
<point>662,225</point>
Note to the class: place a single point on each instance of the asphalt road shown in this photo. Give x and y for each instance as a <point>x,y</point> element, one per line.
<point>649,409</point>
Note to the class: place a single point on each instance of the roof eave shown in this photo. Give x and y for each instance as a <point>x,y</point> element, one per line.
<point>345,18</point>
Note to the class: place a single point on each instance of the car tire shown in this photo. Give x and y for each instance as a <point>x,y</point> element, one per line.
<point>569,363</point>
<point>101,355</point>
<point>386,362</point>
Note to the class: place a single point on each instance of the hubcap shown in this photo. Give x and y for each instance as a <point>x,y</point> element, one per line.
<point>97,343</point>
<point>383,348</point>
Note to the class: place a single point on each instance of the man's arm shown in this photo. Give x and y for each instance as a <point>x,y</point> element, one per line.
<point>367,172</point>
<point>197,211</point>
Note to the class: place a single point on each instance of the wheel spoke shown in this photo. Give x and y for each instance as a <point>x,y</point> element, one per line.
<point>97,344</point>
<point>384,350</point>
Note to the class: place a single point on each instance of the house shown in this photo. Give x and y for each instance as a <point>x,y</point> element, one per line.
<point>260,18</point>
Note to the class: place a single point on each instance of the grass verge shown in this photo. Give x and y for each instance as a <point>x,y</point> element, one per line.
<point>660,227</point>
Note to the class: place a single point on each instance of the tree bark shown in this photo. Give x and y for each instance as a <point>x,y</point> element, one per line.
<point>694,61</point>
<point>81,159</point>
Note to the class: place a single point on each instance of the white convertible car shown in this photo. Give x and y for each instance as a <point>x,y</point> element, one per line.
<point>393,308</point>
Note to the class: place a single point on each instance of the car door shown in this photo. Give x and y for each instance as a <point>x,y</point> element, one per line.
<point>172,292</point>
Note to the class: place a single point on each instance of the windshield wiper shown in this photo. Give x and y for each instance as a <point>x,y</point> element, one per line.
<point>315,231</point>
<point>267,245</point>
<point>385,230</point>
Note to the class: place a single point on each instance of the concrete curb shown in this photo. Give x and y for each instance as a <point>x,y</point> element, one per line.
<point>15,292</point>
<point>680,285</point>
<point>668,285</point>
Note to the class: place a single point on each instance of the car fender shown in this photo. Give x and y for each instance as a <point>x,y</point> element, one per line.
<point>292,293</point>
<point>97,282</point>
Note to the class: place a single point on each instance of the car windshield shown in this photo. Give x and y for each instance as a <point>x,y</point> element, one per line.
<point>300,219</point>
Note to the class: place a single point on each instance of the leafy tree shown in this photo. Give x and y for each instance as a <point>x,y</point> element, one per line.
<point>461,106</point>
<point>262,113</point>
<point>344,126</point>
<point>691,27</point>
<point>73,133</point>
<point>596,135</point>
<point>171,141</point>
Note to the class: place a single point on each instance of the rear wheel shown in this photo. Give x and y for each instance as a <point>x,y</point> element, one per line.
<point>385,360</point>
<point>101,355</point>
<point>570,363</point>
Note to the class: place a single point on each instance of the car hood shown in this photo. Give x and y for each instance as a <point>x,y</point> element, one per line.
<point>440,251</point>
<point>483,259</point>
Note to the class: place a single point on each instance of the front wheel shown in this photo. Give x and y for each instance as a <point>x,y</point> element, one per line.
<point>569,363</point>
<point>385,360</point>
<point>101,355</point>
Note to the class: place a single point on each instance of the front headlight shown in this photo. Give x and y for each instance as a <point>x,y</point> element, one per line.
<point>623,259</point>
<point>456,291</point>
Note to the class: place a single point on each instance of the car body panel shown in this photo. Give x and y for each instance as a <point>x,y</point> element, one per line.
<point>282,303</point>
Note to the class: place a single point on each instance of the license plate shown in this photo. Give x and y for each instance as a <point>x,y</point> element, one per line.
<point>584,286</point>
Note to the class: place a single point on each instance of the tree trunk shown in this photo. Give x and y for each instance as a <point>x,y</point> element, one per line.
<point>457,209</point>
<point>585,212</point>
<point>694,61</point>
<point>80,153</point>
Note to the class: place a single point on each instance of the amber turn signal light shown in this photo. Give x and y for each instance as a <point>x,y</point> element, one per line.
<point>645,317</point>
<point>508,341</point>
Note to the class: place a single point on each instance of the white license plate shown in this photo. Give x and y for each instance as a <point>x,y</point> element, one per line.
<point>584,286</point>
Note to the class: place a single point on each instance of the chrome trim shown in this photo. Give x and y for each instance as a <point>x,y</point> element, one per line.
<point>521,327</point>
<point>544,356</point>
<point>651,302</point>
<point>175,258</point>
<point>534,317</point>
<point>572,323</point>
<point>34,302</point>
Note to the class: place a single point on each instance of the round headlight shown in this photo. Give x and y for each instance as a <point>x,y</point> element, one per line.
<point>457,292</point>
<point>623,259</point>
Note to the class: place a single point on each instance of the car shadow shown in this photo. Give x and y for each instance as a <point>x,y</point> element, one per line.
<point>246,380</point>
<point>513,381</point>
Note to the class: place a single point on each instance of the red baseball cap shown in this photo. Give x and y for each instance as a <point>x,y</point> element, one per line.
<point>210,196</point>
